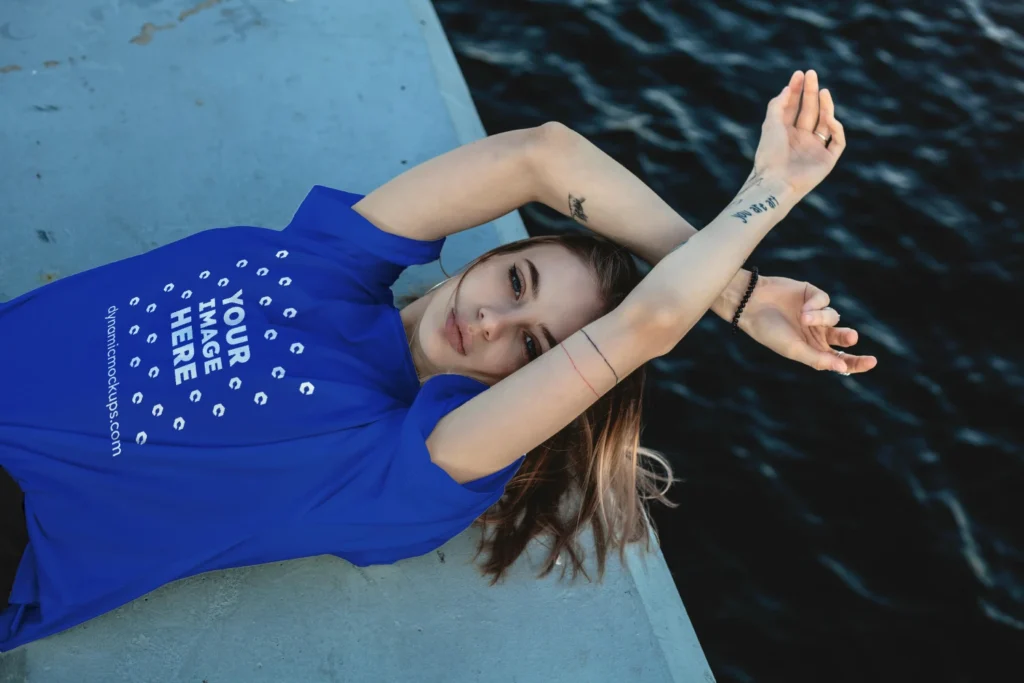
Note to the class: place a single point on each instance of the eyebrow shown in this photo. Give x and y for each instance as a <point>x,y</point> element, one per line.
<point>535,288</point>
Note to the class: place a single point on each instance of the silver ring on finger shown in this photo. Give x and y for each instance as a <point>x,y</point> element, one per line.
<point>826,139</point>
<point>841,353</point>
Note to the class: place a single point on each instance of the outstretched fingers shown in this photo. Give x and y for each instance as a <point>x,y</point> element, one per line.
<point>792,107</point>
<point>777,107</point>
<point>814,298</point>
<point>833,358</point>
<point>828,119</point>
<point>855,364</point>
<point>841,336</point>
<point>822,317</point>
<point>807,119</point>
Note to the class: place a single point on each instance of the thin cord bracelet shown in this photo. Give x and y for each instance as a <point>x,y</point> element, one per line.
<point>600,354</point>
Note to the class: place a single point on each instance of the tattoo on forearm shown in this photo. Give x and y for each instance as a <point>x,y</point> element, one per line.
<point>576,208</point>
<point>757,207</point>
<point>754,180</point>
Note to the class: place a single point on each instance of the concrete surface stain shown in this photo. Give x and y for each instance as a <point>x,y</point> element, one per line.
<point>5,32</point>
<point>48,277</point>
<point>9,68</point>
<point>46,107</point>
<point>50,63</point>
<point>146,35</point>
<point>199,103</point>
<point>242,20</point>
<point>441,556</point>
<point>45,235</point>
<point>206,4</point>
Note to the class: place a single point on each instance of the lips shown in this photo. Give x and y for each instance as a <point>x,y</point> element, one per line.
<point>453,333</point>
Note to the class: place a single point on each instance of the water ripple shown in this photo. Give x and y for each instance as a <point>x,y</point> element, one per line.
<point>969,546</point>
<point>1003,35</point>
<point>852,581</point>
<point>917,233</point>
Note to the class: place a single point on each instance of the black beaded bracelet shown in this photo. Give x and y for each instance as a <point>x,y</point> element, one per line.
<point>746,297</point>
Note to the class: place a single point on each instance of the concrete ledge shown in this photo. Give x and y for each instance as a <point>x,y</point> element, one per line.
<point>132,124</point>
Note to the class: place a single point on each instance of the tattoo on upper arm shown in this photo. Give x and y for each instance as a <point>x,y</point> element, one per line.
<point>757,207</point>
<point>576,208</point>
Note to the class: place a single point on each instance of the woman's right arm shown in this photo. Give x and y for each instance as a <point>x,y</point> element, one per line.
<point>520,412</point>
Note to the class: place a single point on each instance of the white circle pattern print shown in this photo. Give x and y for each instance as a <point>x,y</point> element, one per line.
<point>206,338</point>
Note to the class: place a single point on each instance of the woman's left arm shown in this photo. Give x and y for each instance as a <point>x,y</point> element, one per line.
<point>633,215</point>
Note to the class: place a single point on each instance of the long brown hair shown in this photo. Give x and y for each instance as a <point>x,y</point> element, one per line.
<point>594,471</point>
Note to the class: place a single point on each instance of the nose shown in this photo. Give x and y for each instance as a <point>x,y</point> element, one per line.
<point>492,322</point>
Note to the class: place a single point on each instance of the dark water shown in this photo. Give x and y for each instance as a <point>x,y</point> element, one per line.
<point>866,528</point>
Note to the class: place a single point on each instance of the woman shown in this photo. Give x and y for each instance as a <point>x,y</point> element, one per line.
<point>247,395</point>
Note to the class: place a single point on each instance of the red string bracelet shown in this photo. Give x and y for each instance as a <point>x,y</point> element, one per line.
<point>578,370</point>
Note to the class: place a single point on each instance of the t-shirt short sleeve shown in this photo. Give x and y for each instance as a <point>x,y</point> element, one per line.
<point>374,258</point>
<point>424,486</point>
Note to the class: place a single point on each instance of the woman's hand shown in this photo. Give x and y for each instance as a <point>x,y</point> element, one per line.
<point>801,140</point>
<point>794,320</point>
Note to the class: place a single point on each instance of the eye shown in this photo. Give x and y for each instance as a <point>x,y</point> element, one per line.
<point>517,285</point>
<point>531,348</point>
<point>529,343</point>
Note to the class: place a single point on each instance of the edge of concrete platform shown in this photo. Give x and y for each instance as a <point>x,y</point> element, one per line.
<point>655,587</point>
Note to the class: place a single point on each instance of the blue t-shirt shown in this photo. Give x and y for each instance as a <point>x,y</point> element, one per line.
<point>240,396</point>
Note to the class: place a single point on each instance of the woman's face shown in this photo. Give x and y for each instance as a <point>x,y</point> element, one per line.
<point>509,310</point>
